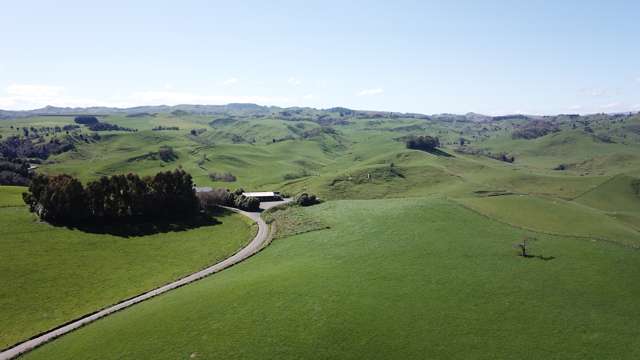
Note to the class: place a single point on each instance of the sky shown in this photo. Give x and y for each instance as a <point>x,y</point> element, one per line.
<point>491,57</point>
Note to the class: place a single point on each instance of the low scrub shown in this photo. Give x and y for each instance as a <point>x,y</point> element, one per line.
<point>305,199</point>
<point>501,156</point>
<point>222,176</point>
<point>534,129</point>
<point>14,172</point>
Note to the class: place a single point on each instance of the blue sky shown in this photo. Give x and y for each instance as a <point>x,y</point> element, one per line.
<point>492,57</point>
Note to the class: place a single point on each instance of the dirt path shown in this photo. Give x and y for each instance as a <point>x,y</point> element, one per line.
<point>253,247</point>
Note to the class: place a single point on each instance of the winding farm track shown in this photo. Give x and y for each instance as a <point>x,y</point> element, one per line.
<point>259,241</point>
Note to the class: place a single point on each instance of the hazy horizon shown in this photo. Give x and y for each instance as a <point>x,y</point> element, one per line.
<point>319,108</point>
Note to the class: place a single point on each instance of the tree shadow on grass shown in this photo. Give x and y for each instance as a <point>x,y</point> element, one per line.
<point>141,227</point>
<point>539,257</point>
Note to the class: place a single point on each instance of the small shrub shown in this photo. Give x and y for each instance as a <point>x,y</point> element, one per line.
<point>222,176</point>
<point>534,129</point>
<point>305,199</point>
<point>167,154</point>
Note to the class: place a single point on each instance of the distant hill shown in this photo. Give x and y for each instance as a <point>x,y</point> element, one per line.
<point>330,115</point>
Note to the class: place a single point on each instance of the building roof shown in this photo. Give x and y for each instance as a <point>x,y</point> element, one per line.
<point>261,194</point>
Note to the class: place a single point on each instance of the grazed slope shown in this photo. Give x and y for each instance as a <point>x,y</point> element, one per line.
<point>51,275</point>
<point>390,278</point>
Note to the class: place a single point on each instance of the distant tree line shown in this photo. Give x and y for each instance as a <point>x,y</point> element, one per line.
<point>102,126</point>
<point>161,128</point>
<point>86,120</point>
<point>93,124</point>
<point>141,114</point>
<point>63,199</point>
<point>423,142</point>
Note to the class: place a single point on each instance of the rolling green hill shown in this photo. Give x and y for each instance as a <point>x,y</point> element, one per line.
<point>389,278</point>
<point>410,255</point>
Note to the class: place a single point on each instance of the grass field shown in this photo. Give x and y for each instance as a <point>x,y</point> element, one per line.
<point>389,278</point>
<point>410,256</point>
<point>555,216</point>
<point>51,275</point>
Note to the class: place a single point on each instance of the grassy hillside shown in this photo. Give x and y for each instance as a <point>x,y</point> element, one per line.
<point>51,275</point>
<point>555,216</point>
<point>410,257</point>
<point>389,278</point>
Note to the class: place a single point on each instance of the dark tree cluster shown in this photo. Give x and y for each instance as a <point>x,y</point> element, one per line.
<point>102,126</point>
<point>15,147</point>
<point>196,132</point>
<point>166,154</point>
<point>161,128</point>
<point>86,120</point>
<point>63,199</point>
<point>71,127</point>
<point>423,142</point>
<point>503,157</point>
<point>14,172</point>
<point>225,197</point>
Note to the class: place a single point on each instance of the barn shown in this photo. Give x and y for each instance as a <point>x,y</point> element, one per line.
<point>264,195</point>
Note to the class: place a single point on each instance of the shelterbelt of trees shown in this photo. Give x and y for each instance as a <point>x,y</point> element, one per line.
<point>63,199</point>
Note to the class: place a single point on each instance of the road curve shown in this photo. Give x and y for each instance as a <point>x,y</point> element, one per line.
<point>258,242</point>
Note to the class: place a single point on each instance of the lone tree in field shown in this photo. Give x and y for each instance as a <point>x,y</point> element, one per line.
<point>524,246</point>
